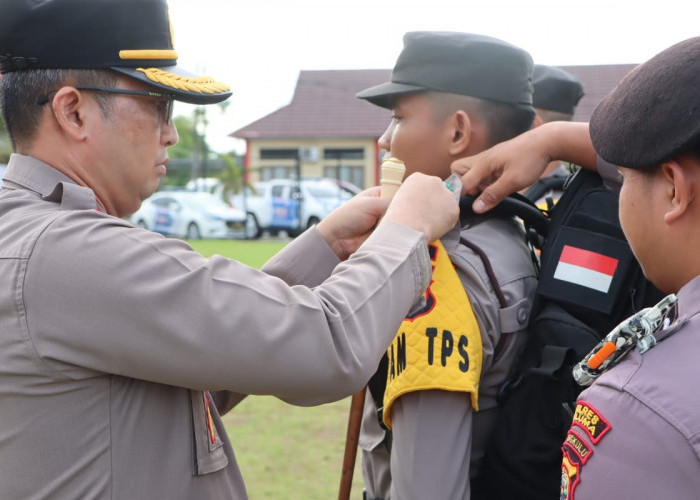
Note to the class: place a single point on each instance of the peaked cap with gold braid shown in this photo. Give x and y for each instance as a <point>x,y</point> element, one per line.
<point>133,37</point>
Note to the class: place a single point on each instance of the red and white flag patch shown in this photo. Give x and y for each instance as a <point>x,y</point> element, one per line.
<point>583,267</point>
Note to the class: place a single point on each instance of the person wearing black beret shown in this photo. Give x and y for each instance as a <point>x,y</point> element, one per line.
<point>120,348</point>
<point>452,95</point>
<point>644,138</point>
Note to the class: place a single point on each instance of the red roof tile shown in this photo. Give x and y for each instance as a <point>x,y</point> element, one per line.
<point>324,105</point>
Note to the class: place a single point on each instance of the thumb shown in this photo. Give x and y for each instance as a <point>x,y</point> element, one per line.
<point>491,196</point>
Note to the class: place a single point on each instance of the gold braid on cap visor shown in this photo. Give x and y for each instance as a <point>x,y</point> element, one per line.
<point>199,84</point>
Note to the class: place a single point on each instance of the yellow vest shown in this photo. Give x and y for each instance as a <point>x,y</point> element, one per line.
<point>439,346</point>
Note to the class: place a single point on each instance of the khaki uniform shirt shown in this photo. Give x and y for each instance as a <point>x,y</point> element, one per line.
<point>111,338</point>
<point>438,440</point>
<point>636,429</point>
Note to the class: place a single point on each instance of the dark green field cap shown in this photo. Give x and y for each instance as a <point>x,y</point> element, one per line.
<point>133,37</point>
<point>458,63</point>
<point>555,90</point>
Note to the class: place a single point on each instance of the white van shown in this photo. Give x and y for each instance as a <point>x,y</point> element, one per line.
<point>289,205</point>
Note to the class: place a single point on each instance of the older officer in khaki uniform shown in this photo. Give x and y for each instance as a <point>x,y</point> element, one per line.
<point>112,337</point>
<point>635,430</point>
<point>452,95</point>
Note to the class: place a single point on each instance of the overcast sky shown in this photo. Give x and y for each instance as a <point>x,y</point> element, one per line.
<point>258,47</point>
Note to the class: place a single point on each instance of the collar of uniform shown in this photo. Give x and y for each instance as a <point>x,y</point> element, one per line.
<point>450,239</point>
<point>25,172</point>
<point>689,299</point>
<point>688,306</point>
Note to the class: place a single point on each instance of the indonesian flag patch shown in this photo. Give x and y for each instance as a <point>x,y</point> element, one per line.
<point>586,268</point>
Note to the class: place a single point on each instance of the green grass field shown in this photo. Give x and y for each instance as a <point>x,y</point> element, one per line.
<point>284,451</point>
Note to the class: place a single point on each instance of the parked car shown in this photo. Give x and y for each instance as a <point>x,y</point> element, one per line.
<point>191,215</point>
<point>275,204</point>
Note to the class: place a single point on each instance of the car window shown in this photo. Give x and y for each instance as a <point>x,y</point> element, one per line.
<point>202,201</point>
<point>162,202</point>
<point>277,191</point>
<point>323,190</point>
<point>260,190</point>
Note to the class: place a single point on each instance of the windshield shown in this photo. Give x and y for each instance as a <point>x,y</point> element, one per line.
<point>204,201</point>
<point>323,190</point>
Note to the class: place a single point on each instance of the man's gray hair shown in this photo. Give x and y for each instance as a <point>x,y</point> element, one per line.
<point>20,92</point>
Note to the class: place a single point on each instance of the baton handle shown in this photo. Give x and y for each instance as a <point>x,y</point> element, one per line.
<point>392,171</point>
<point>357,405</point>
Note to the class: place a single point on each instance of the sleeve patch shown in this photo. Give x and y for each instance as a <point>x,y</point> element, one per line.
<point>574,444</point>
<point>591,421</point>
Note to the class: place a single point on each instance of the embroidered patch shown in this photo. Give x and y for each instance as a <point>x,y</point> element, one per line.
<point>570,477</point>
<point>578,446</point>
<point>575,453</point>
<point>576,450</point>
<point>590,420</point>
<point>585,268</point>
<point>438,347</point>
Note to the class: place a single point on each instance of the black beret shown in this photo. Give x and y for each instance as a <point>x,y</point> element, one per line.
<point>133,37</point>
<point>459,63</point>
<point>654,113</point>
<point>555,90</point>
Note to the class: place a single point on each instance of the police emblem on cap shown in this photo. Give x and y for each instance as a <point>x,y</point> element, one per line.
<point>132,37</point>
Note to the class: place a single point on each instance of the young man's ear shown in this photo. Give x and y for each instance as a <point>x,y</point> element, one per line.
<point>68,108</point>
<point>682,178</point>
<point>461,133</point>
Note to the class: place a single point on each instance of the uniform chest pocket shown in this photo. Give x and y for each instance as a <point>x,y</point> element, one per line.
<point>209,452</point>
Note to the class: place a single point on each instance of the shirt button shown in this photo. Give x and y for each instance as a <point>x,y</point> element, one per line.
<point>522,315</point>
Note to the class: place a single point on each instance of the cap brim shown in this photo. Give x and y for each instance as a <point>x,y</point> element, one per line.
<point>383,95</point>
<point>184,85</point>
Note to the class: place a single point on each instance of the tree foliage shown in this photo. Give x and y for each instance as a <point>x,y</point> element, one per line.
<point>5,148</point>
<point>186,144</point>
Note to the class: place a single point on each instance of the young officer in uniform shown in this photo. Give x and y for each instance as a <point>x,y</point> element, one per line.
<point>555,96</point>
<point>112,337</point>
<point>634,433</point>
<point>452,95</point>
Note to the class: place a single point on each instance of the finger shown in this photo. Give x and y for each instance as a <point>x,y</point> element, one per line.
<point>374,191</point>
<point>460,167</point>
<point>491,196</point>
<point>370,204</point>
<point>474,176</point>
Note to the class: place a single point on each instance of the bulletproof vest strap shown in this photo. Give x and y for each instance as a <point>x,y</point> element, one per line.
<point>553,358</point>
<point>545,185</point>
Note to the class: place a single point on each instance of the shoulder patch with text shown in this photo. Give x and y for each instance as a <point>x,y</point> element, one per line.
<point>591,421</point>
<point>576,450</point>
